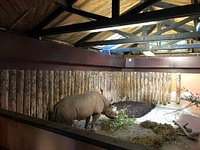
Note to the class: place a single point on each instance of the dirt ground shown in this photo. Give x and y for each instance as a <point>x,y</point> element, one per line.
<point>159,114</point>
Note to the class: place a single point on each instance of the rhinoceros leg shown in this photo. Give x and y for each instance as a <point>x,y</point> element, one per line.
<point>95,117</point>
<point>87,122</point>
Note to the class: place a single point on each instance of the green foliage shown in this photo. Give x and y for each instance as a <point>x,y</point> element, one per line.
<point>120,121</point>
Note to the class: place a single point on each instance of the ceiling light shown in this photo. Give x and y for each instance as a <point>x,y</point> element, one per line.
<point>123,26</point>
<point>148,53</point>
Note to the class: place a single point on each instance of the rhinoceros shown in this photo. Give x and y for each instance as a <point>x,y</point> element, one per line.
<point>83,106</point>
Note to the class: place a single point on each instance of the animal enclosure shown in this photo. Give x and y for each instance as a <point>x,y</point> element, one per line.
<point>34,92</point>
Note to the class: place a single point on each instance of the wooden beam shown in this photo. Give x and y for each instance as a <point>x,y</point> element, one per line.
<point>176,25</point>
<point>18,48</point>
<point>165,47</point>
<point>82,13</point>
<point>86,38</point>
<point>164,5</point>
<point>179,36</point>
<point>191,62</point>
<point>55,13</point>
<point>180,11</point>
<point>115,8</point>
<point>20,18</point>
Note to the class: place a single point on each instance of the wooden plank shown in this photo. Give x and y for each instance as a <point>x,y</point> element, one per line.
<point>4,87</point>
<point>33,107</point>
<point>45,92</point>
<point>39,93</point>
<point>12,90</point>
<point>178,88</point>
<point>51,90</point>
<point>27,92</point>
<point>69,83</point>
<point>61,84</point>
<point>66,83</point>
<point>56,86</point>
<point>73,75</point>
<point>20,90</point>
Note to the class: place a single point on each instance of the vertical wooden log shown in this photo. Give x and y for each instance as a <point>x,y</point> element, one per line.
<point>156,87</point>
<point>132,86</point>
<point>83,82</point>
<point>20,90</point>
<point>170,88</point>
<point>4,87</point>
<point>142,86</point>
<point>45,89</point>
<point>33,94</point>
<point>86,84</point>
<point>164,89</point>
<point>56,86</point>
<point>135,86</point>
<point>39,93</point>
<point>12,90</point>
<point>66,83</point>
<point>178,88</point>
<point>51,90</point>
<point>73,82</point>
<point>61,84</point>
<point>76,82</point>
<point>27,92</point>
<point>69,82</point>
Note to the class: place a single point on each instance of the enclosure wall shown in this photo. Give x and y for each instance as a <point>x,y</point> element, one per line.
<point>34,92</point>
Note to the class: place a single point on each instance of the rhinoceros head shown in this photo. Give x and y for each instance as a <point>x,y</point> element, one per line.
<point>111,111</point>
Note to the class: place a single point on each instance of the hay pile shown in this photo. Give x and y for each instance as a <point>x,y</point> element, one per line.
<point>163,133</point>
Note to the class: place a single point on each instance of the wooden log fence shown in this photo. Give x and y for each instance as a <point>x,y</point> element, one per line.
<point>34,92</point>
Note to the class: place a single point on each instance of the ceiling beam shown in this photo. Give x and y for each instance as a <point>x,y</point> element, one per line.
<point>164,5</point>
<point>55,13</point>
<point>19,19</point>
<point>179,36</point>
<point>139,7</point>
<point>175,25</point>
<point>115,8</point>
<point>82,13</point>
<point>165,47</point>
<point>182,27</point>
<point>86,38</point>
<point>180,11</point>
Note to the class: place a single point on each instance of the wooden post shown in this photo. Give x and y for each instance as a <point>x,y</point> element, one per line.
<point>4,87</point>
<point>20,90</point>
<point>33,94</point>
<point>39,93</point>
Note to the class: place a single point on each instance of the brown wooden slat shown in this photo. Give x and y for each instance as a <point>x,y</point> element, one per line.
<point>61,84</point>
<point>56,86</point>
<point>20,90</point>
<point>45,91</point>
<point>4,87</point>
<point>39,93</point>
<point>51,90</point>
<point>33,94</point>
<point>12,90</point>
<point>27,92</point>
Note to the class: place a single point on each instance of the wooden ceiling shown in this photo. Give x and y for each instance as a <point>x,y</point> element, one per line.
<point>164,27</point>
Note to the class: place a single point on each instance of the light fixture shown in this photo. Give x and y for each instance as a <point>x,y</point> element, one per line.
<point>123,26</point>
<point>148,53</point>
